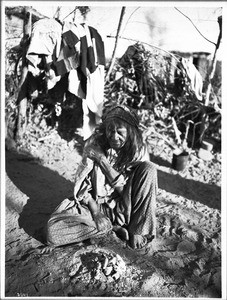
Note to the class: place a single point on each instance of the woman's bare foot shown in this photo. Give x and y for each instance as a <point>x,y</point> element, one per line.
<point>137,241</point>
<point>121,232</point>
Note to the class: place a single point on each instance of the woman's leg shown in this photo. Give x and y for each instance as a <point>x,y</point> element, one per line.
<point>143,204</point>
<point>71,224</point>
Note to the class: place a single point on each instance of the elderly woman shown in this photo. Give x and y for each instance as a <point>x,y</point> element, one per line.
<point>115,187</point>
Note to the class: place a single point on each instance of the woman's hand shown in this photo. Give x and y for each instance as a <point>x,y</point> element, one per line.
<point>102,222</point>
<point>94,152</point>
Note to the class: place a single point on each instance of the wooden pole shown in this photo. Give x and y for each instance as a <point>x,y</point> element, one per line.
<point>214,62</point>
<point>210,76</point>
<point>116,42</point>
<point>22,88</point>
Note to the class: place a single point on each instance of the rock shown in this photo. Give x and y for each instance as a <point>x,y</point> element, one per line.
<point>102,286</point>
<point>196,272</point>
<point>206,279</point>
<point>191,234</point>
<point>216,279</point>
<point>74,270</point>
<point>152,281</point>
<point>201,263</point>
<point>105,263</point>
<point>189,283</point>
<point>210,293</point>
<point>175,263</point>
<point>186,247</point>
<point>108,270</point>
<point>116,276</point>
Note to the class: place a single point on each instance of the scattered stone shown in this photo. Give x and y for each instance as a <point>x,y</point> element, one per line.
<point>206,279</point>
<point>152,282</point>
<point>216,279</point>
<point>185,247</point>
<point>99,265</point>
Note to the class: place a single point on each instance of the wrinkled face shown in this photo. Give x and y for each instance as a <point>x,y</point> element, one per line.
<point>116,134</point>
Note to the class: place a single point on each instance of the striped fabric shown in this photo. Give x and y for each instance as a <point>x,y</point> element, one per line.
<point>72,222</point>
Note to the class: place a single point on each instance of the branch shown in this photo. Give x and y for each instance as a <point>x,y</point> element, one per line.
<point>195,27</point>
<point>130,18</point>
<point>116,42</point>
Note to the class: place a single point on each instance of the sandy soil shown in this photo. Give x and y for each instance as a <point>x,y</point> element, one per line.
<point>184,260</point>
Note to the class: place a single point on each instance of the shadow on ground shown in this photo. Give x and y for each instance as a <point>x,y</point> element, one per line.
<point>44,188</point>
<point>206,194</point>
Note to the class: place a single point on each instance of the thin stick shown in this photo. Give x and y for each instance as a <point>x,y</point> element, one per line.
<point>116,42</point>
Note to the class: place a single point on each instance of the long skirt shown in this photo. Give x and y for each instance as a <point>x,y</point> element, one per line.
<point>72,221</point>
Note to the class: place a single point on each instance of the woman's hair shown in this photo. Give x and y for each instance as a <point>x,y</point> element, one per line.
<point>133,145</point>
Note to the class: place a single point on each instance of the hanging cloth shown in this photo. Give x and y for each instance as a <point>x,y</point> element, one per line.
<point>45,40</point>
<point>195,78</point>
<point>69,57</point>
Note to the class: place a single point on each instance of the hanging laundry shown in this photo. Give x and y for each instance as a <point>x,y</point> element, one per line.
<point>95,90</point>
<point>92,54</point>
<point>82,48</point>
<point>51,78</point>
<point>98,46</point>
<point>86,78</point>
<point>92,65</point>
<point>69,56</point>
<point>94,81</point>
<point>74,84</point>
<point>196,81</point>
<point>45,40</point>
<point>75,50</point>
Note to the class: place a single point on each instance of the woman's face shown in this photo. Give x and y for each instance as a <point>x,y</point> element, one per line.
<point>116,135</point>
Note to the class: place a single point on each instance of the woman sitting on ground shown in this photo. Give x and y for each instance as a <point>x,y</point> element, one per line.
<point>115,187</point>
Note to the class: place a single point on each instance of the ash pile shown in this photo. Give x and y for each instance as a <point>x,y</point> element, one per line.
<point>97,266</point>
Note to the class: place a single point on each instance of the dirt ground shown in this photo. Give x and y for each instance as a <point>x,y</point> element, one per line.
<point>184,261</point>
